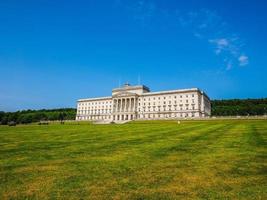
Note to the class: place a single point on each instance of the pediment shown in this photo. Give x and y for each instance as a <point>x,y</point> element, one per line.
<point>124,94</point>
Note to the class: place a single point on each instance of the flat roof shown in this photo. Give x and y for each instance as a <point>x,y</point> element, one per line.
<point>175,91</point>
<point>129,87</point>
<point>147,93</point>
<point>95,99</point>
<point>171,91</point>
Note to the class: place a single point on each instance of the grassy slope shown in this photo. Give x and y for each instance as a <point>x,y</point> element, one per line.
<point>142,160</point>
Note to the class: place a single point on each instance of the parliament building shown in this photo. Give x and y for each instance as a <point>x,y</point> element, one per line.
<point>137,102</point>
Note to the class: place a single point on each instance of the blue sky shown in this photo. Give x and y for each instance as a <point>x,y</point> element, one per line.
<point>54,52</point>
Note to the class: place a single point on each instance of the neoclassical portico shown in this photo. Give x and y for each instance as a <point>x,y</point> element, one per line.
<point>124,106</point>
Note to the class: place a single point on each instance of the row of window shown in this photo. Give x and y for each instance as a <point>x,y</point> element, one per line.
<point>144,109</point>
<point>94,107</point>
<point>164,97</point>
<point>94,103</point>
<point>173,115</point>
<point>107,111</point>
<point>144,104</point>
<point>148,108</point>
<point>164,102</point>
<point>144,98</point>
<point>164,108</point>
<point>95,117</point>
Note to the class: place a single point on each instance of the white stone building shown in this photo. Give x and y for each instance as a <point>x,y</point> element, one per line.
<point>137,102</point>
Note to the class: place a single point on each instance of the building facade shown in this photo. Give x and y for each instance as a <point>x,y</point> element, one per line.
<point>137,102</point>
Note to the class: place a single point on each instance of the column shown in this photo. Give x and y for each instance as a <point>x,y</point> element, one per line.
<point>125,109</point>
<point>125,104</point>
<point>114,104</point>
<point>118,110</point>
<point>120,105</point>
<point>131,105</point>
<point>128,104</point>
<point>117,106</point>
<point>134,104</point>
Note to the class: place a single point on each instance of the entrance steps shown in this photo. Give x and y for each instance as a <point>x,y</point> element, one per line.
<point>102,122</point>
<point>111,122</point>
<point>122,122</point>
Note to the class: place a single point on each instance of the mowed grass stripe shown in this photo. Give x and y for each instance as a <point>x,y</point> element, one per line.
<point>119,136</point>
<point>220,159</point>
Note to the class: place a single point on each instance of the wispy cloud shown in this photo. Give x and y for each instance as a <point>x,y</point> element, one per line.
<point>243,60</point>
<point>210,26</point>
<point>204,24</point>
<point>220,44</point>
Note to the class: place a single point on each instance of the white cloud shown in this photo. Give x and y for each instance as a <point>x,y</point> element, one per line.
<point>204,24</point>
<point>209,25</point>
<point>220,44</point>
<point>243,60</point>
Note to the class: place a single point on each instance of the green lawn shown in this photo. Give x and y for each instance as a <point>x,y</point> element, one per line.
<point>141,160</point>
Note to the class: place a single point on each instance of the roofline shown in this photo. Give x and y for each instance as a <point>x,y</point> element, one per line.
<point>94,99</point>
<point>205,95</point>
<point>176,91</point>
<point>131,87</point>
<point>171,91</point>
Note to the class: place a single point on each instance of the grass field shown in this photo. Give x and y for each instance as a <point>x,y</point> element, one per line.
<point>224,159</point>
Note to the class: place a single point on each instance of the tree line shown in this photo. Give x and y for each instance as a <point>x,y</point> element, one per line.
<point>239,107</point>
<point>30,116</point>
<point>232,107</point>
